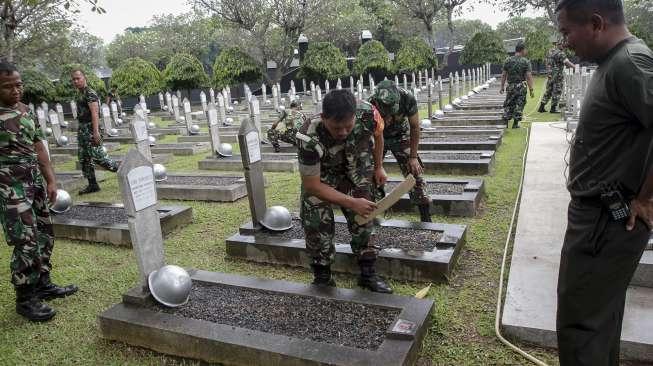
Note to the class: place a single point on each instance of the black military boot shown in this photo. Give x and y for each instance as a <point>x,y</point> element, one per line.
<point>30,306</point>
<point>516,124</point>
<point>505,122</point>
<point>554,109</point>
<point>370,280</point>
<point>46,290</point>
<point>322,275</point>
<point>91,188</point>
<point>277,148</point>
<point>541,109</point>
<point>425,212</point>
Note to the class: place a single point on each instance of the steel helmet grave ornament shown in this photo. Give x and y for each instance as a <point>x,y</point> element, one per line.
<point>62,140</point>
<point>63,202</point>
<point>425,123</point>
<point>448,108</point>
<point>225,150</point>
<point>160,172</point>
<point>170,285</point>
<point>194,129</point>
<point>439,114</point>
<point>152,140</point>
<point>48,131</point>
<point>277,218</point>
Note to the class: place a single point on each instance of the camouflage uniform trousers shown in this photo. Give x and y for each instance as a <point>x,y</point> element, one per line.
<point>319,223</point>
<point>288,136</point>
<point>513,106</point>
<point>26,222</point>
<point>397,140</point>
<point>553,90</point>
<point>90,155</point>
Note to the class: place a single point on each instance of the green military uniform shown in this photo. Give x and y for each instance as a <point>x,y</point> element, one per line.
<point>396,136</point>
<point>515,68</point>
<point>87,153</point>
<point>556,62</point>
<point>293,121</point>
<point>346,166</point>
<point>23,198</point>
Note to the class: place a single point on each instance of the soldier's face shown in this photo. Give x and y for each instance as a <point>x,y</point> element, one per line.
<point>340,129</point>
<point>79,80</point>
<point>11,88</point>
<point>581,37</point>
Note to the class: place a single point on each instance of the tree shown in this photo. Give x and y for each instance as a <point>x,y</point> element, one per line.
<point>415,55</point>
<point>387,22</point>
<point>537,44</point>
<point>450,7</point>
<point>425,11</point>
<point>518,7</point>
<point>639,17</point>
<point>324,61</point>
<point>136,76</point>
<point>464,30</point>
<point>65,88</point>
<point>518,27</point>
<point>372,57</point>
<point>483,47</point>
<point>269,28</point>
<point>37,87</point>
<point>184,72</point>
<point>234,66</point>
<point>23,21</point>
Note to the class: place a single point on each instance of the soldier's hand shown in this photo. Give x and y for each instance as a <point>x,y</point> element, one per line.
<point>415,167</point>
<point>51,190</point>
<point>501,91</point>
<point>642,209</point>
<point>380,177</point>
<point>97,140</point>
<point>532,93</point>
<point>362,206</point>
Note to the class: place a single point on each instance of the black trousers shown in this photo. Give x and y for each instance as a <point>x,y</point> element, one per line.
<point>598,260</point>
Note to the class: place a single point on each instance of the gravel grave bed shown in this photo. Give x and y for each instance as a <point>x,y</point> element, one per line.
<point>434,188</point>
<point>449,156</point>
<point>201,180</point>
<point>105,215</point>
<point>68,176</point>
<point>386,237</point>
<point>303,317</point>
<point>181,145</point>
<point>448,138</point>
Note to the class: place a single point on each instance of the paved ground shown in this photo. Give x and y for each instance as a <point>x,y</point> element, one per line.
<point>530,305</point>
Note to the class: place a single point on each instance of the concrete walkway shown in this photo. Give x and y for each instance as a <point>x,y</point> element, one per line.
<point>530,305</point>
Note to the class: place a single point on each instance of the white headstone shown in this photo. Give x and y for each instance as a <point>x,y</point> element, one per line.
<point>73,108</point>
<point>214,128</point>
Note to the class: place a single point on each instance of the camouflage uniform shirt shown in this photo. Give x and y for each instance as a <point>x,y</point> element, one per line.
<point>556,62</point>
<point>18,134</point>
<point>516,68</point>
<point>87,96</point>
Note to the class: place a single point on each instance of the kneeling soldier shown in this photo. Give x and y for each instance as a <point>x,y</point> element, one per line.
<point>340,159</point>
<point>294,120</point>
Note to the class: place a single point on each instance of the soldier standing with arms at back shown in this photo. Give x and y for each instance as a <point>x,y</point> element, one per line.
<point>556,62</point>
<point>610,182</point>
<point>294,120</point>
<point>24,194</point>
<point>340,162</point>
<point>401,136</point>
<point>89,140</point>
<point>517,72</point>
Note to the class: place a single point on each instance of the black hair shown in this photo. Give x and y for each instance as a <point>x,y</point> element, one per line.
<point>580,11</point>
<point>7,68</point>
<point>520,47</point>
<point>339,104</point>
<point>294,104</point>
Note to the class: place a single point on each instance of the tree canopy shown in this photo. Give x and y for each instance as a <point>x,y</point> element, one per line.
<point>463,31</point>
<point>37,87</point>
<point>538,45</point>
<point>136,76</point>
<point>483,47</point>
<point>639,17</point>
<point>184,71</point>
<point>323,61</point>
<point>518,27</point>
<point>415,55</point>
<point>233,66</point>
<point>65,88</point>
<point>372,57</point>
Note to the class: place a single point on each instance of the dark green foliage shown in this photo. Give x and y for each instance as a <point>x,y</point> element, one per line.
<point>37,87</point>
<point>136,76</point>
<point>233,66</point>
<point>538,45</point>
<point>184,72</point>
<point>323,61</point>
<point>483,47</point>
<point>415,55</point>
<point>372,57</point>
<point>66,90</point>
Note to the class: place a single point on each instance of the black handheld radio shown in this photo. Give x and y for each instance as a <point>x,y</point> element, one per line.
<point>614,201</point>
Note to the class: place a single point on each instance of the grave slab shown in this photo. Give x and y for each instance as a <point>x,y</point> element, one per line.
<point>396,324</point>
<point>271,163</point>
<point>450,197</point>
<point>413,251</point>
<point>460,142</point>
<point>201,187</point>
<point>128,139</point>
<point>72,148</point>
<point>490,130</point>
<point>74,180</point>
<point>464,162</point>
<point>467,121</point>
<point>156,159</point>
<point>229,138</point>
<point>107,222</point>
<point>181,149</point>
<point>60,158</point>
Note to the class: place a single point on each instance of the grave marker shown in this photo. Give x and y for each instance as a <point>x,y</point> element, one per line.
<point>106,119</point>
<point>187,116</point>
<point>73,108</point>
<point>450,88</point>
<point>462,77</point>
<point>264,92</point>
<point>136,181</point>
<point>275,97</point>
<point>326,86</point>
<point>203,101</point>
<point>212,95</point>
<point>175,107</point>
<point>304,85</point>
<point>114,112</point>
<point>419,79</point>
<point>169,103</point>
<point>359,86</point>
<point>140,134</point>
<point>339,84</point>
<point>162,103</point>
<point>54,123</point>
<point>40,116</point>
<point>318,100</point>
<point>440,102</point>
<point>44,106</point>
<point>250,152</point>
<point>31,108</point>
<point>59,109</point>
<point>405,82</point>
<point>255,113</point>
<point>178,95</point>
<point>430,97</point>
<point>351,84</point>
<point>214,128</point>
<point>396,81</point>
<point>221,110</point>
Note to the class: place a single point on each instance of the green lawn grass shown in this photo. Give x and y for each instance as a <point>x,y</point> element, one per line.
<point>461,334</point>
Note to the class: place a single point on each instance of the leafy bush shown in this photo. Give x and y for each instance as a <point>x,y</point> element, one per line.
<point>136,76</point>
<point>184,72</point>
<point>372,58</point>
<point>233,66</point>
<point>537,44</point>
<point>37,87</point>
<point>323,61</point>
<point>483,47</point>
<point>415,55</point>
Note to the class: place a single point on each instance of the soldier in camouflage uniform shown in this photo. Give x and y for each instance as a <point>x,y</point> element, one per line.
<point>517,71</point>
<point>340,162</point>
<point>294,120</point>
<point>89,140</point>
<point>24,197</point>
<point>556,62</point>
<point>401,136</point>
